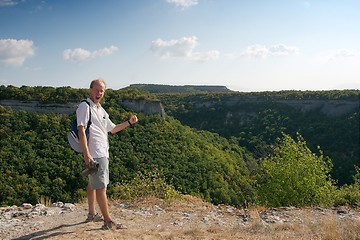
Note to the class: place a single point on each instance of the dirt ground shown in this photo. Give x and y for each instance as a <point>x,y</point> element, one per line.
<point>192,219</point>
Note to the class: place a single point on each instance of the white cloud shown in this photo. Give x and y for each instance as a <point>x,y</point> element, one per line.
<point>258,51</point>
<point>342,53</point>
<point>261,51</point>
<point>14,52</point>
<point>105,51</point>
<point>6,3</point>
<point>80,54</point>
<point>76,55</point>
<point>283,50</point>
<point>183,3</point>
<point>182,48</point>
<point>206,56</point>
<point>174,48</point>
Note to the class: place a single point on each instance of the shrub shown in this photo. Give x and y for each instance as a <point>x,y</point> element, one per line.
<point>295,176</point>
<point>349,194</point>
<point>147,184</point>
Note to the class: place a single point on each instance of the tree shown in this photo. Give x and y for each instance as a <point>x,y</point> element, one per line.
<point>294,176</point>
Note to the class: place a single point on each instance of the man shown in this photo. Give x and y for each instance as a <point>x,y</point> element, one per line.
<point>96,148</point>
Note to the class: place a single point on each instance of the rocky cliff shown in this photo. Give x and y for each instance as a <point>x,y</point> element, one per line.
<point>144,106</point>
<point>36,106</point>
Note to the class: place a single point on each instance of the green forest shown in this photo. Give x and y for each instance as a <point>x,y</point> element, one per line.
<point>256,120</point>
<point>275,159</point>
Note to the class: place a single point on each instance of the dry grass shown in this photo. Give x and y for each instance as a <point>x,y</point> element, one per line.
<point>193,219</point>
<point>46,201</point>
<point>309,224</point>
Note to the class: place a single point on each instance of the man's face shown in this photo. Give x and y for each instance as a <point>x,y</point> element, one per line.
<point>97,92</point>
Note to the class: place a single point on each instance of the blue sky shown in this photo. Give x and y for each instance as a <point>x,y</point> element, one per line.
<point>246,45</point>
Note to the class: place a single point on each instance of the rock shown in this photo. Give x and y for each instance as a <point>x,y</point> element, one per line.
<point>342,211</point>
<point>186,216</point>
<point>57,204</point>
<point>124,205</point>
<point>68,207</point>
<point>26,205</point>
<point>158,210</point>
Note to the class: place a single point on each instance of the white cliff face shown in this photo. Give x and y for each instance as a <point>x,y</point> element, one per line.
<point>36,106</point>
<point>144,106</point>
<point>331,108</point>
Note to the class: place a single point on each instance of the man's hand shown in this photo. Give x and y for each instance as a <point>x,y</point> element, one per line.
<point>133,119</point>
<point>87,159</point>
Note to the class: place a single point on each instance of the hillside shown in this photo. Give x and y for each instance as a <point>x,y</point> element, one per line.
<point>36,157</point>
<point>328,119</point>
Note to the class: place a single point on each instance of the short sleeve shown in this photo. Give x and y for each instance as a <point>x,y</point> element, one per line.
<point>109,124</point>
<point>82,114</point>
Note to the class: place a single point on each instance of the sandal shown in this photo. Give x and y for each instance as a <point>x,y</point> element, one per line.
<point>94,218</point>
<point>112,224</point>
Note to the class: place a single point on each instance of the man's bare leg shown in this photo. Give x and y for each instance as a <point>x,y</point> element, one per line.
<point>91,199</point>
<point>101,198</point>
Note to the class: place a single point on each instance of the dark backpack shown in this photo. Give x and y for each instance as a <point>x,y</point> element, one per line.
<point>73,134</point>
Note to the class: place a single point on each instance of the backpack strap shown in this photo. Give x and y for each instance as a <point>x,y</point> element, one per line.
<point>89,122</point>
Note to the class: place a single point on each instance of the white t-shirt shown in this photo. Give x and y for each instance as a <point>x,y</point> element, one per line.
<point>101,124</point>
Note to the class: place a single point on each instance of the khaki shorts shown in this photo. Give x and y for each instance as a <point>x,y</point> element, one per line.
<point>100,179</point>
